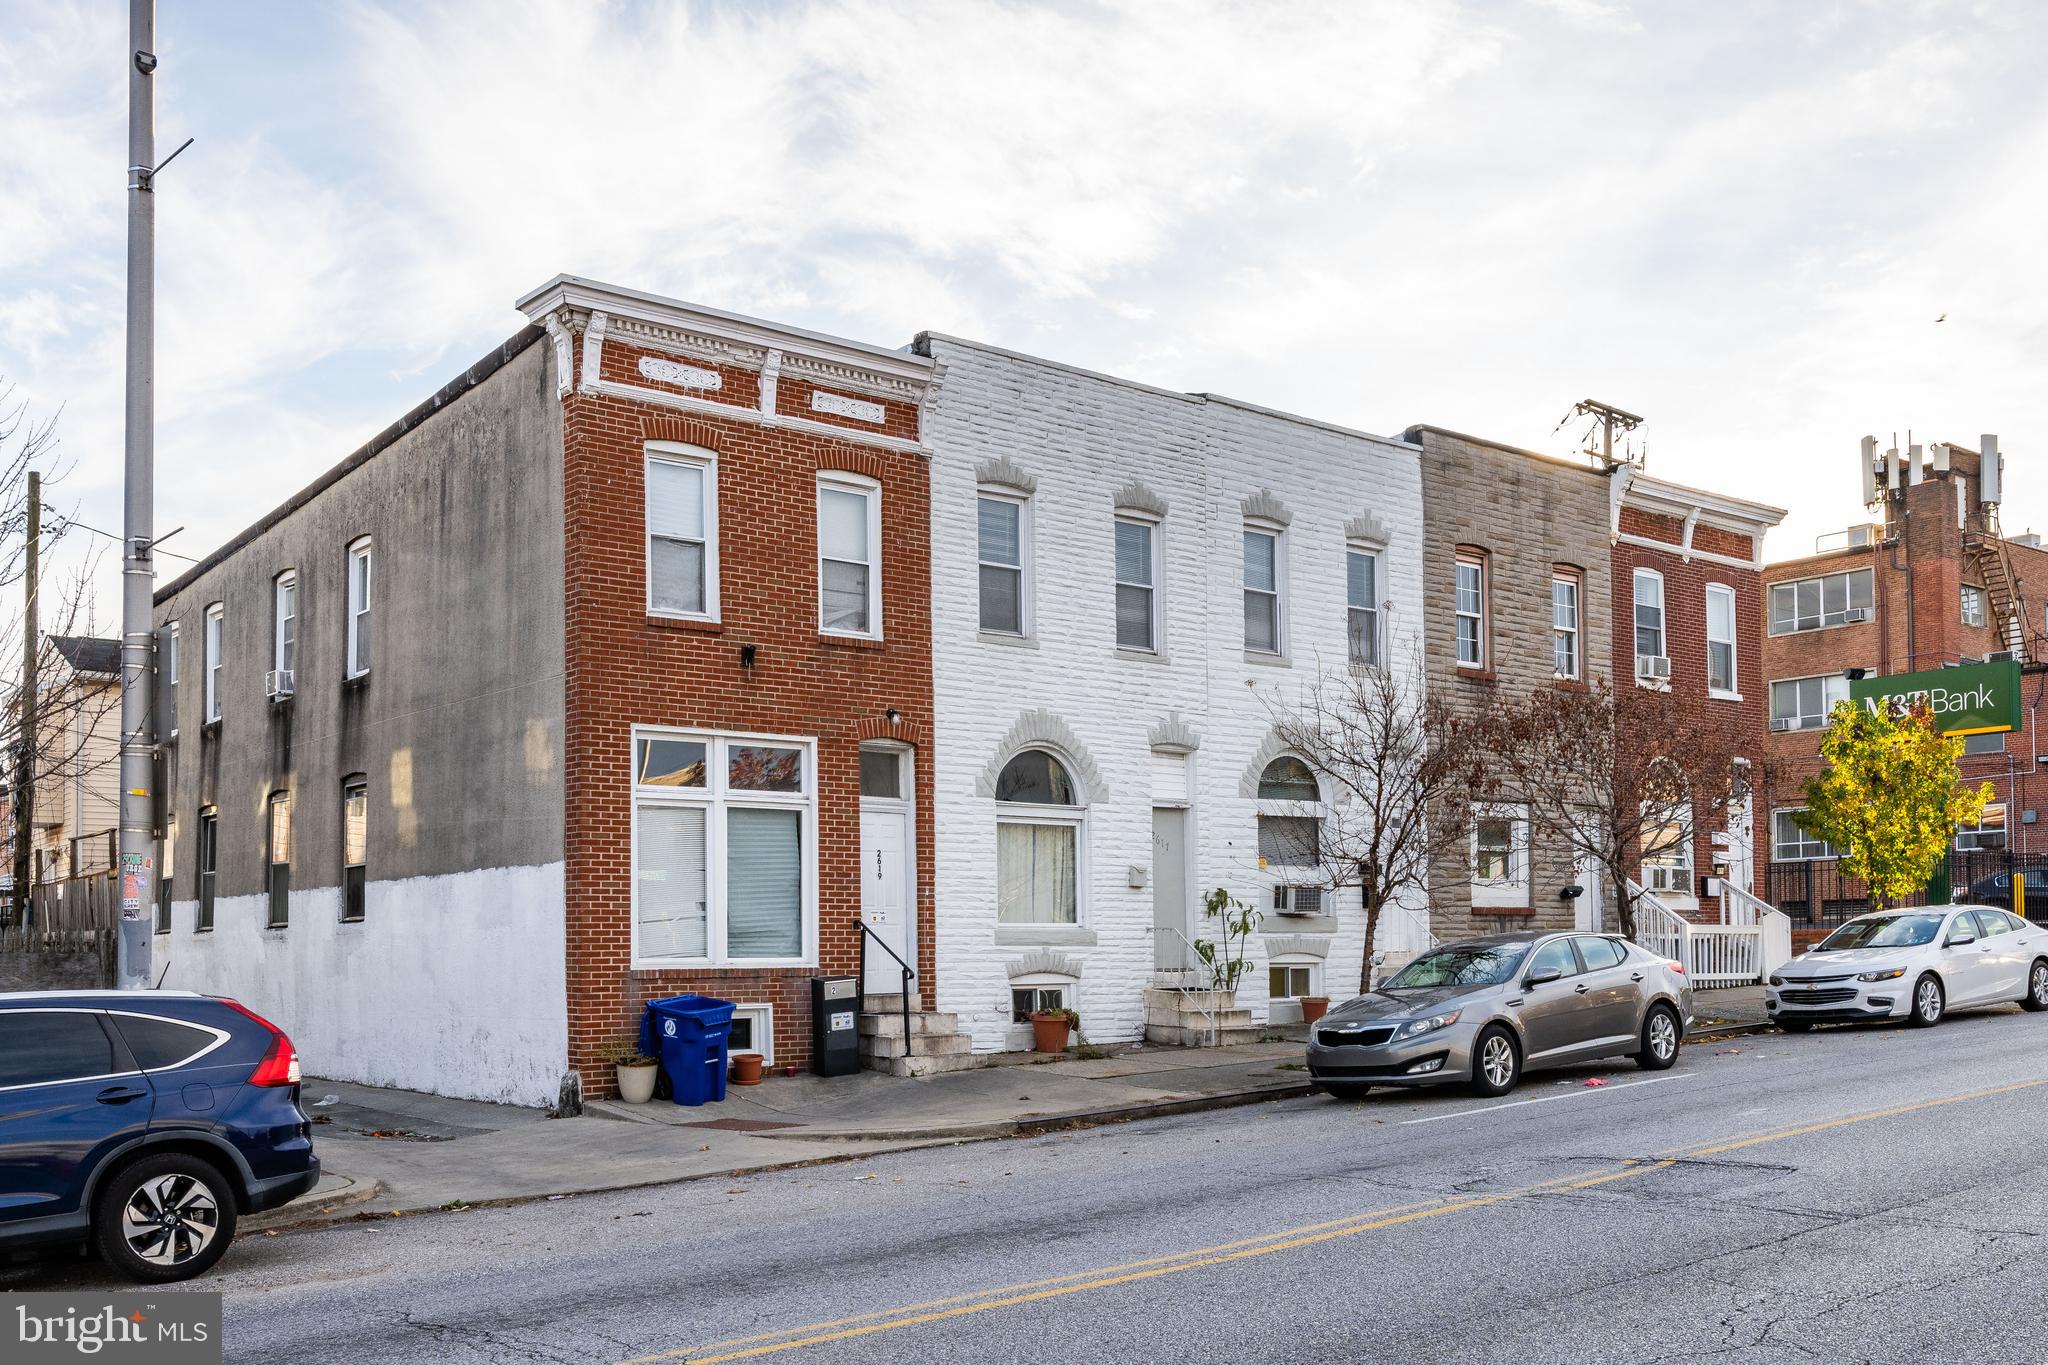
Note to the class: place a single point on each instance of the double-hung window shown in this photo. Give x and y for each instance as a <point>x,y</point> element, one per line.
<point>1362,608</point>
<point>1667,848</point>
<point>355,845</point>
<point>1812,603</point>
<point>1649,619</point>
<point>1564,623</point>
<point>1002,528</point>
<point>682,531</point>
<point>1137,577</point>
<point>1470,607</point>
<point>1790,843</point>
<point>1039,825</point>
<point>209,865</point>
<point>169,664</point>
<point>278,861</point>
<point>724,856</point>
<point>359,608</point>
<point>849,555</point>
<point>1500,857</point>
<point>1988,832</point>
<point>1806,703</point>
<point>215,619</point>
<point>284,645</point>
<point>1721,639</point>
<point>1263,613</point>
<point>1974,613</point>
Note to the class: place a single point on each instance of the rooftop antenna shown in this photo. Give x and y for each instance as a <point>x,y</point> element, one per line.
<point>1608,419</point>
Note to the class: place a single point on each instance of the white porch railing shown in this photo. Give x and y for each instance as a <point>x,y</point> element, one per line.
<point>1732,953</point>
<point>1740,907</point>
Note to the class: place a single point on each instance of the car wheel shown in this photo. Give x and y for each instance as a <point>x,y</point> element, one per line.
<point>1496,1064</point>
<point>1660,1039</point>
<point>164,1218</point>
<point>1928,1002</point>
<point>1795,1025</point>
<point>1340,1090</point>
<point>2036,997</point>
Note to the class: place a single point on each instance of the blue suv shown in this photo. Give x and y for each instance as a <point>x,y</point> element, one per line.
<point>144,1124</point>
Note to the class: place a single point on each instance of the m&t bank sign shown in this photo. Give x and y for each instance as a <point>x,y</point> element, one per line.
<point>1976,699</point>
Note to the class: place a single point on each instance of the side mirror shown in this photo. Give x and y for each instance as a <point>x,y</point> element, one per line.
<point>1542,977</point>
<point>1959,940</point>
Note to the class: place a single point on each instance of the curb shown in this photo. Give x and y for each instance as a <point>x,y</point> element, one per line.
<point>1715,1035</point>
<point>355,1192</point>
<point>1078,1118</point>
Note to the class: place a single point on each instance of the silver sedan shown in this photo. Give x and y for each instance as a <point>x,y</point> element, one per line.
<point>1914,965</point>
<point>1485,1010</point>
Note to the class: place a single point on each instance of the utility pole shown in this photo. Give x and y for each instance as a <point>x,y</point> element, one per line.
<point>138,635</point>
<point>1609,419</point>
<point>25,743</point>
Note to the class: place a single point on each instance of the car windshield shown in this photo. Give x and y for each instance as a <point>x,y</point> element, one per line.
<point>1884,931</point>
<point>1473,964</point>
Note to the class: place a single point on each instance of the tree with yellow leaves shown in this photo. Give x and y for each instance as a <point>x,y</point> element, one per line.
<point>1891,795</point>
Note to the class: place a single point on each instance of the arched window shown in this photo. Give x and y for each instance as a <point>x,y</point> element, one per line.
<point>1291,834</point>
<point>1038,841</point>
<point>1287,778</point>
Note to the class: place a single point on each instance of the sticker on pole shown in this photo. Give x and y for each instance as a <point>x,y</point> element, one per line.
<point>131,885</point>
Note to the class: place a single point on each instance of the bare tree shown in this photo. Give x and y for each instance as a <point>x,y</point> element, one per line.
<point>1616,776</point>
<point>1403,766</point>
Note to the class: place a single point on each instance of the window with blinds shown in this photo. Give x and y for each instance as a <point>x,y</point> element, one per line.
<point>681,530</point>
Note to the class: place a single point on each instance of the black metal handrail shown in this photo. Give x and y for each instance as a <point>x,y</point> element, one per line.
<point>908,972</point>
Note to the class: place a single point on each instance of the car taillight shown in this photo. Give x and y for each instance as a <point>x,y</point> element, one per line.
<point>1678,967</point>
<point>280,1064</point>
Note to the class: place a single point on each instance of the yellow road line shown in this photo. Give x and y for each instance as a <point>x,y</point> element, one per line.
<point>912,1315</point>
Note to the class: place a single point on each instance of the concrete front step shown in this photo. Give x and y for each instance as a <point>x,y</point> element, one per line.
<point>1197,1033</point>
<point>1169,1017</point>
<point>921,1045</point>
<point>873,1025</point>
<point>922,1066</point>
<point>874,1003</point>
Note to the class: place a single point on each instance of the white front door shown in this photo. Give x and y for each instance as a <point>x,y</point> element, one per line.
<point>885,893</point>
<point>1170,889</point>
<point>1586,909</point>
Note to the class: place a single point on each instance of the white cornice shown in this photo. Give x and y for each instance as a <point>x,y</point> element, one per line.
<point>1649,494</point>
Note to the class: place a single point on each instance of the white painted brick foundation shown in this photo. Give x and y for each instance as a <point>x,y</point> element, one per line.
<point>1089,442</point>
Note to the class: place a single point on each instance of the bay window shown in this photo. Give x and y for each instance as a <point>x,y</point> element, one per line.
<point>724,858</point>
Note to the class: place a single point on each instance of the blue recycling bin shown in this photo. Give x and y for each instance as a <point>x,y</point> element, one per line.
<point>689,1033</point>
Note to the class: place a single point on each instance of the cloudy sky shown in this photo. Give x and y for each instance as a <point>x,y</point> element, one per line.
<point>1741,220</point>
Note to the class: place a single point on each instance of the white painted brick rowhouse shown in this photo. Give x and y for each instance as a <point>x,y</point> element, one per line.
<point>1181,725</point>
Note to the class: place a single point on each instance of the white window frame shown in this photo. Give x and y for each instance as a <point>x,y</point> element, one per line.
<point>171,679</point>
<point>1074,817</point>
<point>1512,891</point>
<point>678,453</point>
<point>1025,568</point>
<point>1636,605</point>
<point>1278,534</point>
<point>1374,610</point>
<point>1674,865</point>
<point>214,646</point>
<point>358,608</point>
<point>1821,621</point>
<point>1975,595</point>
<point>1155,533</point>
<point>1828,682</point>
<point>840,481</point>
<point>763,1017</point>
<point>715,799</point>
<point>1574,634</point>
<point>1828,852</point>
<point>1973,835</point>
<point>1733,691</point>
<point>1295,962</point>
<point>1478,562</point>
<point>284,621</point>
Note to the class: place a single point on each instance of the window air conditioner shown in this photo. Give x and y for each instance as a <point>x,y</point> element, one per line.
<point>1857,614</point>
<point>1297,900</point>
<point>1653,666</point>
<point>1782,723</point>
<point>2000,656</point>
<point>278,683</point>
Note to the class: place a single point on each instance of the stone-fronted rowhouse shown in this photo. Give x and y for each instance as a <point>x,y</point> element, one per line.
<point>1124,577</point>
<point>1516,554</point>
<point>602,675</point>
<point>1930,581</point>
<point>1688,619</point>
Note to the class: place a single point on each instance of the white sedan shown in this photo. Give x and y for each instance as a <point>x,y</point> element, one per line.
<point>1913,964</point>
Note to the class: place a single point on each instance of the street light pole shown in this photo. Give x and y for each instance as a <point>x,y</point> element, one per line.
<point>138,730</point>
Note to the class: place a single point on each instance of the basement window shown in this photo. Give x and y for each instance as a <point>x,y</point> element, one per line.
<point>1029,1000</point>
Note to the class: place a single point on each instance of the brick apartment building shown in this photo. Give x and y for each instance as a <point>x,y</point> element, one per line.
<point>603,675</point>
<point>1933,582</point>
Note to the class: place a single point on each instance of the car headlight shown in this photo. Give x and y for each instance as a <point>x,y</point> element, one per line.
<point>1416,1027</point>
<point>1777,980</point>
<point>1893,975</point>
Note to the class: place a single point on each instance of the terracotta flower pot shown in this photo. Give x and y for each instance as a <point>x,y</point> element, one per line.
<point>636,1083</point>
<point>1049,1032</point>
<point>1314,1007</point>
<point>746,1068</point>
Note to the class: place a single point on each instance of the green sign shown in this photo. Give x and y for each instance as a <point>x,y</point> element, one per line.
<point>1976,699</point>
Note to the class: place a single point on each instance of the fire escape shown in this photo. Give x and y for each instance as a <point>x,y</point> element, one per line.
<point>1987,551</point>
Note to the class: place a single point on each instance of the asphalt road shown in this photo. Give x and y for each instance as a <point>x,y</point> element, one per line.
<point>1841,1196</point>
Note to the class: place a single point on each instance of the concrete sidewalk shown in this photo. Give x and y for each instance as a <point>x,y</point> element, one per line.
<point>393,1152</point>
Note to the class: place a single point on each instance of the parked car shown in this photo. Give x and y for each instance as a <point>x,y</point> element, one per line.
<point>1996,889</point>
<point>144,1124</point>
<point>1485,1010</point>
<point>1914,965</point>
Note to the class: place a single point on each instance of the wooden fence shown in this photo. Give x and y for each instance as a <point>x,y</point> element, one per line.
<point>76,916</point>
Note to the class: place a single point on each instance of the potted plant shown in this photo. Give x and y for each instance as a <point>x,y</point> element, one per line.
<point>1049,1029</point>
<point>1314,1007</point>
<point>1224,961</point>
<point>746,1068</point>
<point>636,1071</point>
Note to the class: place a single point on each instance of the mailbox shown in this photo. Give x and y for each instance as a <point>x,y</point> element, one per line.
<point>835,1025</point>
